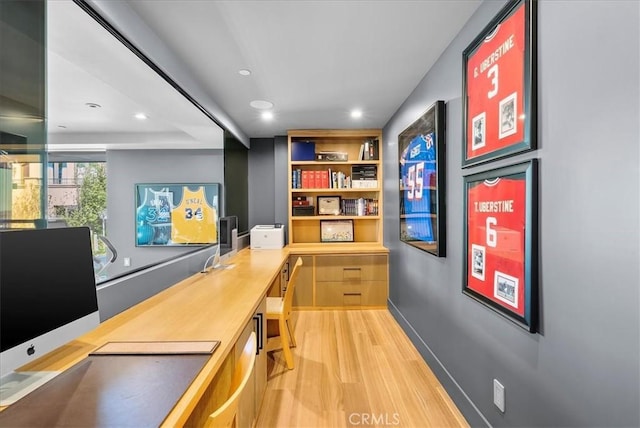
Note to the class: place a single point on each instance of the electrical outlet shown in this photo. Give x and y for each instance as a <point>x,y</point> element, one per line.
<point>126,261</point>
<point>498,395</point>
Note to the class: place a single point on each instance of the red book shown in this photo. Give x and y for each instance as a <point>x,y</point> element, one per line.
<point>305,179</point>
<point>312,179</point>
<point>325,180</point>
<point>318,176</point>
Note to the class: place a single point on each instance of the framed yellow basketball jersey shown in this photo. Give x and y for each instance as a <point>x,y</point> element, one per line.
<point>194,219</point>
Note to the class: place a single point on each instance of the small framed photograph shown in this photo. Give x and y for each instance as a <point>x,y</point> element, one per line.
<point>479,131</point>
<point>328,205</point>
<point>336,230</point>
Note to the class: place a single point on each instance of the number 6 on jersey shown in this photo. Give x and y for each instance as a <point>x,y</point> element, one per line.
<point>500,268</point>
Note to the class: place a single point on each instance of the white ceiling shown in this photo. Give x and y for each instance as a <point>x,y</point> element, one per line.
<point>315,60</point>
<point>86,64</point>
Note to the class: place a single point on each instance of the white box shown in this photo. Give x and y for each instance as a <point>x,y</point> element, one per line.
<point>267,237</point>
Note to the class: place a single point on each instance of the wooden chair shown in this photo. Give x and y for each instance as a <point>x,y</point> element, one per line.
<point>279,308</point>
<point>224,416</point>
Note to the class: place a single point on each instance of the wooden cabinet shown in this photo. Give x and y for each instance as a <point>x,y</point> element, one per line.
<point>251,398</point>
<point>344,167</point>
<point>343,281</point>
<point>303,293</point>
<point>354,178</point>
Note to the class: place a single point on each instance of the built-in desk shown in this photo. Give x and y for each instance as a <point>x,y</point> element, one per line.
<point>219,305</point>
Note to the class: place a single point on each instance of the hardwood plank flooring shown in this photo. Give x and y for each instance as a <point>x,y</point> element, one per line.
<point>354,368</point>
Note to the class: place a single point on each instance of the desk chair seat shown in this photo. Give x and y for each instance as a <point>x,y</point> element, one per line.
<point>224,416</point>
<point>279,308</point>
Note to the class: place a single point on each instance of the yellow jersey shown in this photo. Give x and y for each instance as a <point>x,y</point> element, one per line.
<point>193,220</point>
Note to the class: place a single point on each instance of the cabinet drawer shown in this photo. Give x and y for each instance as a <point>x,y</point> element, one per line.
<point>351,269</point>
<point>366,293</point>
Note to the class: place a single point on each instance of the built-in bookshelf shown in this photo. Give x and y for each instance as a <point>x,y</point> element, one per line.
<point>343,167</point>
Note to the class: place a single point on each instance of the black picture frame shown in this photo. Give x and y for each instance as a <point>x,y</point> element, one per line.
<point>500,269</point>
<point>336,230</point>
<point>176,214</point>
<point>422,160</point>
<point>329,205</point>
<point>499,70</point>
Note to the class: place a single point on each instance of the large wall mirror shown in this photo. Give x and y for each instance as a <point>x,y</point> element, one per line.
<point>112,121</point>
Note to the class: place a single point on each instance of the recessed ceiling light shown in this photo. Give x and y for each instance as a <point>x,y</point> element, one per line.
<point>261,104</point>
<point>140,116</point>
<point>93,105</point>
<point>267,115</point>
<point>356,113</point>
<point>244,72</point>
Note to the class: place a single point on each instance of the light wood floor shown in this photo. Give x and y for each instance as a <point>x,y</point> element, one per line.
<point>354,368</point>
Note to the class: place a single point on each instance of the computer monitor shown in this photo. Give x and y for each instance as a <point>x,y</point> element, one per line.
<point>227,225</point>
<point>47,292</point>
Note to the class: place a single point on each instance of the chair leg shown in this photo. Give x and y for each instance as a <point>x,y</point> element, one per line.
<point>288,356</point>
<point>291,335</point>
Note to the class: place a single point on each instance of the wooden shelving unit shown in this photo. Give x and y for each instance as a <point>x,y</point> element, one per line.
<point>304,230</point>
<point>338,275</point>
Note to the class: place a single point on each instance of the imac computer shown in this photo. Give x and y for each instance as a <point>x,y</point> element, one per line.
<point>47,298</point>
<point>227,243</point>
<point>229,234</point>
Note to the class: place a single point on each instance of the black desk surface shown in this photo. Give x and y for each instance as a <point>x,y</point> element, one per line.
<point>108,391</point>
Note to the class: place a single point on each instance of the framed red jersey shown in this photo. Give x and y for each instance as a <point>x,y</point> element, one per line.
<point>500,241</point>
<point>499,86</point>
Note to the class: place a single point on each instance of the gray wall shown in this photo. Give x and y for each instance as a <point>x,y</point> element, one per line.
<point>583,368</point>
<point>281,179</point>
<point>125,168</point>
<point>268,181</point>
<point>261,182</point>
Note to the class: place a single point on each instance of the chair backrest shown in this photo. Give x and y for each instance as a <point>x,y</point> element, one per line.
<point>287,300</point>
<point>225,414</point>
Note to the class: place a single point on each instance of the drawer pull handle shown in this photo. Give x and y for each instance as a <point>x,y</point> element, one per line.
<point>258,329</point>
<point>351,273</point>
<point>352,294</point>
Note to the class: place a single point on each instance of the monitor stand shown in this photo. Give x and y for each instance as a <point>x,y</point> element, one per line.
<point>15,385</point>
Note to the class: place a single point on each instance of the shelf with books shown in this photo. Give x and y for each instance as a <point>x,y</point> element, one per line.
<point>349,190</point>
<point>351,162</point>
<point>342,163</point>
<point>335,217</point>
<point>335,176</point>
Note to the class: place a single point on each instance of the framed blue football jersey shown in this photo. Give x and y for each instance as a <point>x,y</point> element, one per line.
<point>421,150</point>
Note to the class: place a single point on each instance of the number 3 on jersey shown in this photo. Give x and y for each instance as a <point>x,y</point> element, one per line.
<point>190,214</point>
<point>493,74</point>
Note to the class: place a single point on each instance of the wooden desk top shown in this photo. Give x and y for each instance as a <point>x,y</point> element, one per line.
<point>213,306</point>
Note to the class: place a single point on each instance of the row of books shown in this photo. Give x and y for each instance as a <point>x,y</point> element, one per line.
<point>359,207</point>
<point>305,179</point>
<point>350,207</point>
<point>369,150</point>
<point>364,176</point>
